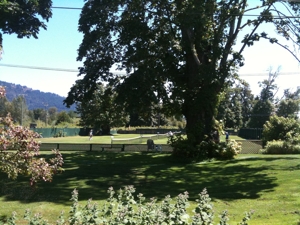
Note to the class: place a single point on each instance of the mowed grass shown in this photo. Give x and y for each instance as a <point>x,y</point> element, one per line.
<point>106,139</point>
<point>267,184</point>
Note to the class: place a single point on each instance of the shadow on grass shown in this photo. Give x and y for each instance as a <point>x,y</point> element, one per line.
<point>92,173</point>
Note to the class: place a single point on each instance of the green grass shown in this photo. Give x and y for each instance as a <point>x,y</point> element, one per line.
<point>268,184</point>
<point>107,139</point>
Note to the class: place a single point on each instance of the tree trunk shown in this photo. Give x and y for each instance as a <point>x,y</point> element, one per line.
<point>200,116</point>
<point>105,129</point>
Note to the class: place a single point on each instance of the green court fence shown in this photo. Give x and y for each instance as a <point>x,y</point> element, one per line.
<point>250,133</point>
<point>61,132</point>
<point>64,132</point>
<point>57,132</point>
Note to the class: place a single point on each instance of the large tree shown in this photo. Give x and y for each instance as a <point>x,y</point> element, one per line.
<point>23,17</point>
<point>101,112</point>
<point>181,51</point>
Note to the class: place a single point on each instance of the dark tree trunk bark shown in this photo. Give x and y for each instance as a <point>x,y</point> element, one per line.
<point>200,116</point>
<point>105,129</point>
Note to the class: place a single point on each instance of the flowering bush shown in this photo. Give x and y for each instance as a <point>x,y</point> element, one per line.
<point>229,150</point>
<point>19,150</point>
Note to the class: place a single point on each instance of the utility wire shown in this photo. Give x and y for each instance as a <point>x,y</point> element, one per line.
<point>76,71</point>
<point>39,68</point>
<point>246,15</point>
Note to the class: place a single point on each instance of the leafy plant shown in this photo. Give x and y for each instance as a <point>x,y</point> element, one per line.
<point>281,147</point>
<point>121,208</point>
<point>207,149</point>
<point>281,128</point>
<point>24,160</point>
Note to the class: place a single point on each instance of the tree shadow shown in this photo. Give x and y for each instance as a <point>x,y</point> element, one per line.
<point>154,175</point>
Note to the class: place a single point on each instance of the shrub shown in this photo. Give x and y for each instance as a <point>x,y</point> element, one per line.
<point>281,147</point>
<point>182,148</point>
<point>280,128</point>
<point>123,209</point>
<point>229,150</point>
<point>60,134</point>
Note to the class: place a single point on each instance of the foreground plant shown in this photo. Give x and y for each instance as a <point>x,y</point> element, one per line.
<point>121,208</point>
<point>19,152</point>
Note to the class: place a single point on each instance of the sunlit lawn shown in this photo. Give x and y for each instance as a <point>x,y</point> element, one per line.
<point>268,184</point>
<point>107,139</point>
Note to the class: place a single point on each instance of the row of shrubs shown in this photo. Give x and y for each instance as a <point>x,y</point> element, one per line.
<point>122,208</point>
<point>281,136</point>
<point>282,147</point>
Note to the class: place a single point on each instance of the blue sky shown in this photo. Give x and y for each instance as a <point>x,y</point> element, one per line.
<point>57,48</point>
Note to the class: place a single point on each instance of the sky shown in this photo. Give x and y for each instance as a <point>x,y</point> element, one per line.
<point>56,49</point>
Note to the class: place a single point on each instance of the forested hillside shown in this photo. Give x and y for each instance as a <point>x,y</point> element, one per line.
<point>34,98</point>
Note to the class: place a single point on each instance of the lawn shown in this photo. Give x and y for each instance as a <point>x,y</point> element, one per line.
<point>268,184</point>
<point>107,139</point>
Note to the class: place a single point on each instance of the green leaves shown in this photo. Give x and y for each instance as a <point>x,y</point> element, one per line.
<point>24,18</point>
<point>121,208</point>
<point>178,54</point>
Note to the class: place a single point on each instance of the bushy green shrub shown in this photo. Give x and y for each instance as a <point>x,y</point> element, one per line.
<point>60,134</point>
<point>182,148</point>
<point>280,128</point>
<point>229,150</point>
<point>281,147</point>
<point>123,209</point>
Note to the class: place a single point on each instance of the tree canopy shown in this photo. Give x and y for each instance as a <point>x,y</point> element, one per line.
<point>100,111</point>
<point>180,53</point>
<point>264,106</point>
<point>289,106</point>
<point>24,18</point>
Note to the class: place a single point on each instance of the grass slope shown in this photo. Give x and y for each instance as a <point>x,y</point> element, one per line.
<point>268,184</point>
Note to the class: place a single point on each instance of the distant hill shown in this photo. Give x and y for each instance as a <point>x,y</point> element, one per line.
<point>34,98</point>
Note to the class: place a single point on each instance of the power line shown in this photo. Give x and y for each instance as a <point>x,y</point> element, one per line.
<point>76,71</point>
<point>39,68</point>
<point>60,7</point>
<point>246,15</point>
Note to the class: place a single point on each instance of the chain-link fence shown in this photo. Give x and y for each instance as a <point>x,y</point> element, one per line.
<point>250,146</point>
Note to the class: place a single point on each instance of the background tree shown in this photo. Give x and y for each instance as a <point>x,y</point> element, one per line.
<point>24,18</point>
<point>290,105</point>
<point>63,117</point>
<point>5,107</point>
<point>247,101</point>
<point>232,106</point>
<point>38,114</point>
<point>264,105</point>
<point>183,51</point>
<point>52,112</point>
<point>19,110</point>
<point>101,112</point>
